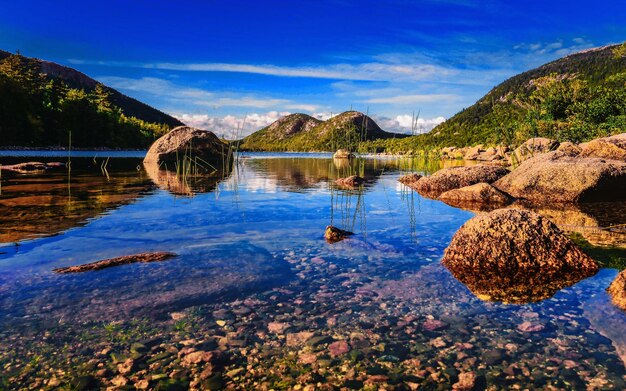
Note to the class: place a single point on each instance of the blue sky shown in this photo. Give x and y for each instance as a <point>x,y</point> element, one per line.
<point>213,63</point>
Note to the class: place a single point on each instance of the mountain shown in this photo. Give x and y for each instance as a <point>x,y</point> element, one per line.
<point>575,98</point>
<point>301,132</point>
<point>78,80</point>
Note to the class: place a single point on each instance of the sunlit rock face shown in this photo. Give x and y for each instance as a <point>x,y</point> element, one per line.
<point>481,196</point>
<point>533,147</point>
<point>557,177</point>
<point>456,177</point>
<point>515,256</point>
<point>613,148</point>
<point>186,142</point>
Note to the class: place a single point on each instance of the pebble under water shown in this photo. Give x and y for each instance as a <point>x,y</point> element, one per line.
<point>256,299</point>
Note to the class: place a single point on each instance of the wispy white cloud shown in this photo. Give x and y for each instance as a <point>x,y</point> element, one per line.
<point>557,48</point>
<point>414,99</point>
<point>231,126</point>
<point>199,98</point>
<point>370,71</point>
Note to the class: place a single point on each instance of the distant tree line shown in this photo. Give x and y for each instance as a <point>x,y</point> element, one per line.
<point>39,111</point>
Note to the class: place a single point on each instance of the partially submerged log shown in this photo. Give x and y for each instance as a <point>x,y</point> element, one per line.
<point>29,167</point>
<point>106,263</point>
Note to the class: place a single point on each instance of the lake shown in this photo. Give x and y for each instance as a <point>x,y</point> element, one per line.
<point>255,283</point>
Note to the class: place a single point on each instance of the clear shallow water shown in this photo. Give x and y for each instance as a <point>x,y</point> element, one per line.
<point>254,277</point>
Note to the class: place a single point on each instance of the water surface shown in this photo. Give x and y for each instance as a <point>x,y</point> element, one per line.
<point>255,279</point>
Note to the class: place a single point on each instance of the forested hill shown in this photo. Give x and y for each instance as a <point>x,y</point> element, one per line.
<point>47,104</point>
<point>301,132</point>
<point>574,98</point>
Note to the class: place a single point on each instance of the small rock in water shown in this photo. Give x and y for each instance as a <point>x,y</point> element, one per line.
<point>126,367</point>
<point>277,327</point>
<point>434,324</point>
<point>307,358</point>
<point>529,327</point>
<point>338,348</point>
<point>466,382</point>
<point>119,381</point>
<point>334,234</point>
<point>295,339</point>
<point>350,182</point>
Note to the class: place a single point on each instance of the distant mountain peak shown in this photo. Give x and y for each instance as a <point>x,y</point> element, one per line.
<point>301,132</point>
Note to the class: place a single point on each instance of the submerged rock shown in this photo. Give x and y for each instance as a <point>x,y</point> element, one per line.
<point>343,154</point>
<point>136,258</point>
<point>617,290</point>
<point>409,178</point>
<point>559,177</point>
<point>480,195</point>
<point>199,146</point>
<point>613,148</point>
<point>467,381</point>
<point>515,256</point>
<point>350,182</point>
<point>334,234</point>
<point>455,177</point>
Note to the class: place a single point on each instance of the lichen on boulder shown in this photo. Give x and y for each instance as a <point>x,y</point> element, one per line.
<point>515,256</point>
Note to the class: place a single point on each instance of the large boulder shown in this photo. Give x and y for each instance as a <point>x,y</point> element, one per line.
<point>559,177</point>
<point>533,147</point>
<point>617,290</point>
<point>515,256</point>
<point>455,177</point>
<point>613,148</point>
<point>479,196</point>
<point>198,147</point>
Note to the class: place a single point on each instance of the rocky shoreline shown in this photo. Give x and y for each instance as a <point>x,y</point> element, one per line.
<point>546,173</point>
